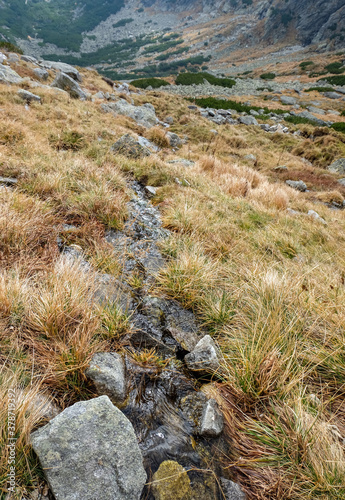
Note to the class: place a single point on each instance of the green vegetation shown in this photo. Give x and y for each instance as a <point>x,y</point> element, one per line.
<point>155,83</point>
<point>268,76</point>
<point>336,68</point>
<point>10,47</point>
<point>198,78</point>
<point>334,80</point>
<point>162,47</point>
<point>304,65</point>
<point>299,120</point>
<point>319,89</point>
<point>123,22</point>
<point>164,57</point>
<point>213,102</point>
<point>339,126</point>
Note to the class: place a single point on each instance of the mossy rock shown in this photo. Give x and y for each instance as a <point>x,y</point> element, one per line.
<point>171,482</point>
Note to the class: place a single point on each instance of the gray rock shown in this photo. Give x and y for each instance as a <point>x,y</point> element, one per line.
<point>30,59</point>
<point>231,490</point>
<point>89,452</point>
<point>99,95</point>
<point>128,146</point>
<point>299,185</point>
<point>288,100</point>
<point>340,181</point>
<point>169,120</point>
<point>280,168</point>
<point>248,120</point>
<point>318,111</point>
<point>107,371</point>
<point>204,356</point>
<point>144,115</point>
<point>174,140</point>
<point>41,73</point>
<point>183,162</point>
<point>212,421</point>
<point>332,95</point>
<point>147,144</point>
<point>28,96</point>
<point>316,216</point>
<point>314,119</point>
<point>67,69</point>
<point>150,190</point>
<point>338,166</point>
<point>8,75</point>
<point>254,113</point>
<point>250,157</point>
<point>9,181</point>
<point>65,82</point>
<point>13,57</point>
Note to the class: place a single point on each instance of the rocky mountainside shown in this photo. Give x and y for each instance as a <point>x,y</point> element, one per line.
<point>157,37</point>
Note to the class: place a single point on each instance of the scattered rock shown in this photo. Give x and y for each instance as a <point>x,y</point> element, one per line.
<point>231,490</point>
<point>183,162</point>
<point>107,371</point>
<point>90,451</point>
<point>171,482</point>
<point>318,111</point>
<point>28,96</point>
<point>212,421</point>
<point>65,82</point>
<point>250,157</point>
<point>147,144</point>
<point>128,146</point>
<point>144,115</point>
<point>288,100</point>
<point>332,95</point>
<point>204,357</point>
<point>341,181</point>
<point>8,75</point>
<point>248,120</point>
<point>281,168</point>
<point>312,118</point>
<point>150,190</point>
<point>338,166</point>
<point>9,181</point>
<point>174,140</point>
<point>316,216</point>
<point>169,120</point>
<point>67,69</point>
<point>30,59</point>
<point>41,73</point>
<point>299,185</point>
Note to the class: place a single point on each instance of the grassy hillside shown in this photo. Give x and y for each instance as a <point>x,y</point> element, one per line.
<point>266,283</point>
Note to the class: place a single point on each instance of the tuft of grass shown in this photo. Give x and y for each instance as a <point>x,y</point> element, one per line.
<point>155,83</point>
<point>268,76</point>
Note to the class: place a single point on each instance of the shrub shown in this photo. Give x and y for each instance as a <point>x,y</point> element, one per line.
<point>10,47</point>
<point>297,120</point>
<point>303,65</point>
<point>339,126</point>
<point>335,68</point>
<point>143,83</point>
<point>320,89</point>
<point>198,78</point>
<point>268,76</point>
<point>334,80</point>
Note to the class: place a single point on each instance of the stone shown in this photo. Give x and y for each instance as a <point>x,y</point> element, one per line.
<point>107,371</point>
<point>144,115</point>
<point>150,190</point>
<point>13,57</point>
<point>169,120</point>
<point>41,73</point>
<point>30,59</point>
<point>338,166</point>
<point>332,95</point>
<point>147,144</point>
<point>174,140</point>
<point>316,216</point>
<point>99,95</point>
<point>129,147</point>
<point>318,111</point>
<point>254,113</point>
<point>280,168</point>
<point>8,75</point>
<point>231,490</point>
<point>212,420</point>
<point>288,100</point>
<point>299,185</point>
<point>248,120</point>
<point>67,69</point>
<point>90,451</point>
<point>182,161</point>
<point>340,181</point>
<point>65,82</point>
<point>204,357</point>
<point>28,96</point>
<point>312,118</point>
<point>250,157</point>
<point>9,181</point>
<point>171,482</point>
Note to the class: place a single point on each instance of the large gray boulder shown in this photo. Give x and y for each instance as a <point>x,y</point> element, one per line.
<point>288,100</point>
<point>65,82</point>
<point>332,95</point>
<point>248,120</point>
<point>204,357</point>
<point>8,75</point>
<point>89,452</point>
<point>129,147</point>
<point>299,185</point>
<point>28,96</point>
<point>63,68</point>
<point>107,371</point>
<point>41,73</point>
<point>338,166</point>
<point>312,118</point>
<point>144,115</point>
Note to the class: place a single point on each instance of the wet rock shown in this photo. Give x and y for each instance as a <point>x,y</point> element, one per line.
<point>28,96</point>
<point>65,82</point>
<point>204,358</point>
<point>288,100</point>
<point>174,140</point>
<point>248,120</point>
<point>41,73</point>
<point>107,371</point>
<point>8,75</point>
<point>67,69</point>
<point>299,185</point>
<point>212,421</point>
<point>128,146</point>
<point>144,115</point>
<point>90,451</point>
<point>8,181</point>
<point>171,482</point>
<point>231,490</point>
<point>338,166</point>
<point>186,340</point>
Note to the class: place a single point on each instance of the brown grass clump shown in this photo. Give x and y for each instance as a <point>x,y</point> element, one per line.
<point>158,136</point>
